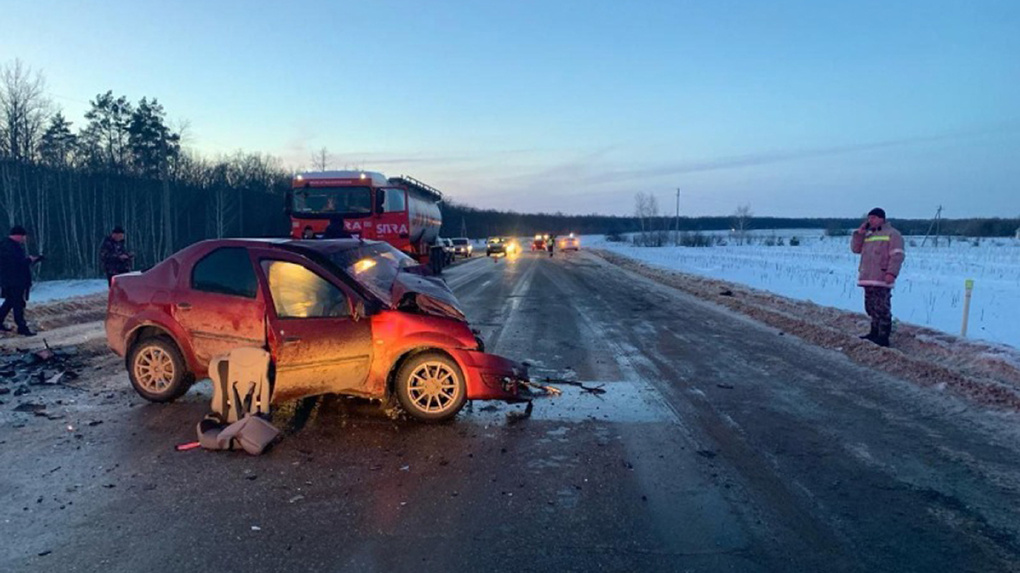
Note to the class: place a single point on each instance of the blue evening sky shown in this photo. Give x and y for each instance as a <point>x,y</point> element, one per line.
<point>800,108</point>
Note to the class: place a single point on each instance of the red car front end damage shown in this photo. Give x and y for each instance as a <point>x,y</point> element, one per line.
<point>345,316</point>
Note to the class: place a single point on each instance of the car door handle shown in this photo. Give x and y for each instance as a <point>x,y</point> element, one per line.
<point>184,306</point>
<point>291,339</point>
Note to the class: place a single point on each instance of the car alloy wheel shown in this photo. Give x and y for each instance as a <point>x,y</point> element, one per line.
<point>431,387</point>
<point>157,370</point>
<point>154,369</point>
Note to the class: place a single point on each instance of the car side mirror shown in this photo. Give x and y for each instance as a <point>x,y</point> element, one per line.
<point>364,309</point>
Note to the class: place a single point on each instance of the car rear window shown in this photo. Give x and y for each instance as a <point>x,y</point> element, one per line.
<point>226,270</point>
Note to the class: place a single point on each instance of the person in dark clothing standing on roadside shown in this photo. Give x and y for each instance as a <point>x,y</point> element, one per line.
<point>336,230</point>
<point>15,278</point>
<point>114,254</point>
<point>881,250</point>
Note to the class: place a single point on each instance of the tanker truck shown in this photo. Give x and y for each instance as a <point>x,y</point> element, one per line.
<point>401,211</point>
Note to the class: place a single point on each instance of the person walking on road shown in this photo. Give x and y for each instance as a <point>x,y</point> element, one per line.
<point>15,278</point>
<point>114,254</point>
<point>881,249</point>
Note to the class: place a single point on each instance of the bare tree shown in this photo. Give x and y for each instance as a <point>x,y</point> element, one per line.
<point>646,209</point>
<point>742,222</point>
<point>321,159</point>
<point>24,108</point>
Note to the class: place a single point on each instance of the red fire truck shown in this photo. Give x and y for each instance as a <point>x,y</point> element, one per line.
<point>401,211</point>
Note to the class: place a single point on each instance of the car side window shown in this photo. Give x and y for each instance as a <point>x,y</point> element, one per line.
<point>226,270</point>
<point>300,293</point>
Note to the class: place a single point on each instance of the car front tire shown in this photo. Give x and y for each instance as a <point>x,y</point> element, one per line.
<point>157,370</point>
<point>431,387</point>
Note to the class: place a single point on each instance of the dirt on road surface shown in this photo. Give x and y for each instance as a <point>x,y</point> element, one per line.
<point>722,443</point>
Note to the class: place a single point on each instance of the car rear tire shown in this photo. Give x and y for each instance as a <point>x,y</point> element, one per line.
<point>430,387</point>
<point>157,370</point>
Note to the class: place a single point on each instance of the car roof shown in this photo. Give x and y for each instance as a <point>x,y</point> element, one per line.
<point>322,246</point>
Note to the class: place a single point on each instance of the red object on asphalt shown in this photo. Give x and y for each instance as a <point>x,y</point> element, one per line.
<point>340,316</point>
<point>187,446</point>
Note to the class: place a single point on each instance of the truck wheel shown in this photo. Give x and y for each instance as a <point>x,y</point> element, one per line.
<point>430,387</point>
<point>157,370</point>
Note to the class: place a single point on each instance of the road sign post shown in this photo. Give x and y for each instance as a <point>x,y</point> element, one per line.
<point>968,286</point>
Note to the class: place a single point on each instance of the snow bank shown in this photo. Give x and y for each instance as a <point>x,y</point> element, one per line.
<point>49,291</point>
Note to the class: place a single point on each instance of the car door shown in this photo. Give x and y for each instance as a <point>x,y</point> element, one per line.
<point>218,303</point>
<point>317,344</point>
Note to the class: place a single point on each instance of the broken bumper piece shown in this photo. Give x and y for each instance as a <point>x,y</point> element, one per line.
<point>492,377</point>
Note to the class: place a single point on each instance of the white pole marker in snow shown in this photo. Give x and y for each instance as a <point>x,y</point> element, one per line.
<point>968,286</point>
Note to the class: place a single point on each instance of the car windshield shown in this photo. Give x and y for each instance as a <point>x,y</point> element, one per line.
<point>375,266</point>
<point>332,200</point>
<point>460,241</point>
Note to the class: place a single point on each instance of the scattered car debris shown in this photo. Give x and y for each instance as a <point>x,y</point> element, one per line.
<point>21,370</point>
<point>600,389</point>
<point>725,386</point>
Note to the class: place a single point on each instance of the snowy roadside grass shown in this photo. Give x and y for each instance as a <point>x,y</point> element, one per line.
<point>985,373</point>
<point>822,270</point>
<point>43,316</point>
<point>48,291</point>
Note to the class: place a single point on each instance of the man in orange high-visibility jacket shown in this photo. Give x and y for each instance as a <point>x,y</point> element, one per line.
<point>881,250</point>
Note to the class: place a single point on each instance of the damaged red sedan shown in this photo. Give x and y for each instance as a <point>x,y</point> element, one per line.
<point>338,316</point>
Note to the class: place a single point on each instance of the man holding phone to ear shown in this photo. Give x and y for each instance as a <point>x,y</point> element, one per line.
<point>881,250</point>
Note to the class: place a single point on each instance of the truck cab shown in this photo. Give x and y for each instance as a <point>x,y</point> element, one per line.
<point>401,211</point>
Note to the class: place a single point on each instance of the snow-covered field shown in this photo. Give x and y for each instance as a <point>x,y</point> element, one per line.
<point>929,292</point>
<point>48,291</point>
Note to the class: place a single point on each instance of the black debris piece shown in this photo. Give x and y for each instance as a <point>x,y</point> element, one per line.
<point>726,292</point>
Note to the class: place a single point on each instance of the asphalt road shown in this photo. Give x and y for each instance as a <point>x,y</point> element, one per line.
<point>719,445</point>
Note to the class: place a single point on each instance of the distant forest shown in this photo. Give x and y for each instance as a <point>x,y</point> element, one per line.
<point>126,166</point>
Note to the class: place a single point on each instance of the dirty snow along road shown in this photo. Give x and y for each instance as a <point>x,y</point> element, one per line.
<point>719,445</point>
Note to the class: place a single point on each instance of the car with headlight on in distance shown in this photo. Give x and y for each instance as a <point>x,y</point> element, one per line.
<point>569,243</point>
<point>462,247</point>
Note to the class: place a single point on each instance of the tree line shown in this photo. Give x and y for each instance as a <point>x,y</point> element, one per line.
<point>124,166</point>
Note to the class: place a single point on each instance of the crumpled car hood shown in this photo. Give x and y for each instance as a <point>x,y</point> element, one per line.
<point>429,294</point>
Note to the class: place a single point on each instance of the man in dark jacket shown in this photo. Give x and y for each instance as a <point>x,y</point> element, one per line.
<point>15,278</point>
<point>881,250</point>
<point>114,254</point>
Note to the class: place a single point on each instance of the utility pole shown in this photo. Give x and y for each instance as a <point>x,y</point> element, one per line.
<point>936,225</point>
<point>676,232</point>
